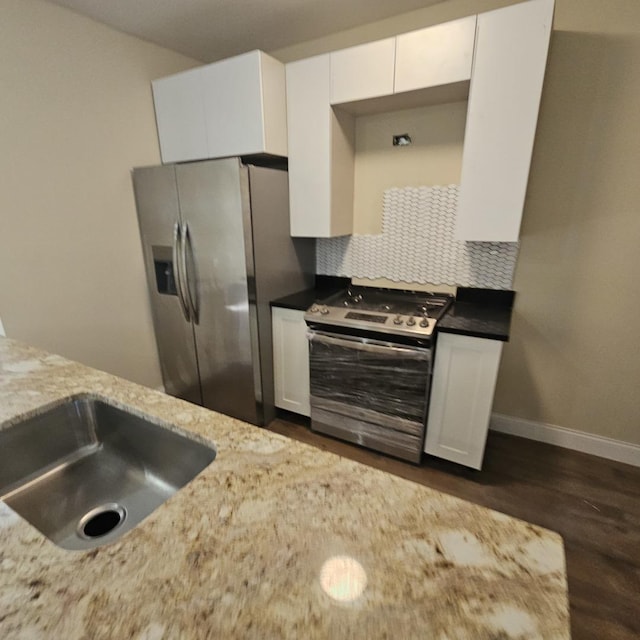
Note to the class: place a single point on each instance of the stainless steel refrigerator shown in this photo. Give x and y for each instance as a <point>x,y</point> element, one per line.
<point>217,249</point>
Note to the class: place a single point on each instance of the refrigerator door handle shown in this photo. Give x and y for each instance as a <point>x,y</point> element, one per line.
<point>191,297</point>
<point>177,269</point>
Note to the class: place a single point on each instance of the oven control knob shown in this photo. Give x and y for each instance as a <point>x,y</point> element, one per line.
<point>424,323</point>
<point>314,308</point>
<point>411,321</point>
<point>397,319</point>
<point>324,311</point>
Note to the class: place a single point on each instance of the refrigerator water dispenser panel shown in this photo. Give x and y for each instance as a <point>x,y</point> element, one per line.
<point>163,265</point>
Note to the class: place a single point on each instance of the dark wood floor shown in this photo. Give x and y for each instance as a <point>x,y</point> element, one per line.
<point>592,502</point>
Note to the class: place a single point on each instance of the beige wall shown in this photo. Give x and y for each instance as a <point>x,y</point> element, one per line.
<point>574,356</point>
<point>76,114</point>
<point>433,158</point>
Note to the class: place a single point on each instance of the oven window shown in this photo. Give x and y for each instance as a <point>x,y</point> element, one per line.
<point>386,380</point>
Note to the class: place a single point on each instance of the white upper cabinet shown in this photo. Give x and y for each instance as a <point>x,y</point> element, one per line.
<point>322,138</point>
<point>229,108</point>
<point>496,59</point>
<point>180,116</point>
<point>320,153</point>
<point>363,72</point>
<point>435,56</point>
<point>244,105</point>
<point>506,85</point>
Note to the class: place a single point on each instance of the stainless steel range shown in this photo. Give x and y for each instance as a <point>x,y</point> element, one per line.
<point>370,355</point>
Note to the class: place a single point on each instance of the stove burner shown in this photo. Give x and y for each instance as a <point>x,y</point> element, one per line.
<point>389,311</point>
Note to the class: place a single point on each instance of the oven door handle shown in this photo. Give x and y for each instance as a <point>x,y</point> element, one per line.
<point>369,345</point>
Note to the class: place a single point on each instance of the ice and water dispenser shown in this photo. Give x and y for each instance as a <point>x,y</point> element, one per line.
<point>163,265</point>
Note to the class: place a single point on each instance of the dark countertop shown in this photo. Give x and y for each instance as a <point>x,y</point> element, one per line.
<point>302,300</point>
<point>479,313</point>
<point>477,320</point>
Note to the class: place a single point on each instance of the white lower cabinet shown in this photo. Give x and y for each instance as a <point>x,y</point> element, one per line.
<point>464,381</point>
<point>290,360</point>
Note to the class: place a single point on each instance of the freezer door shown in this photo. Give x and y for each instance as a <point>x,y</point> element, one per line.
<point>157,204</point>
<point>215,207</point>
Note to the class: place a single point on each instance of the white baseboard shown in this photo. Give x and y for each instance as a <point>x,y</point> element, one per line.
<point>568,438</point>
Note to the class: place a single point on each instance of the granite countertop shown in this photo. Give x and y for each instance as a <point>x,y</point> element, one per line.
<point>254,545</point>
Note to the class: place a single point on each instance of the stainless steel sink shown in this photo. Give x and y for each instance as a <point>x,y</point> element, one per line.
<point>85,472</point>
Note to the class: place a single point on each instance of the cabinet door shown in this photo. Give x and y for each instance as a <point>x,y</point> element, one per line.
<point>504,97</point>
<point>363,72</point>
<point>216,272</point>
<point>157,203</point>
<point>464,380</point>
<point>233,106</point>
<point>308,124</point>
<point>321,153</point>
<point>290,360</point>
<point>180,117</point>
<point>435,56</point>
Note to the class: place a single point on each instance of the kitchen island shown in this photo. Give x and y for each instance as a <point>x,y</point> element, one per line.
<point>275,539</point>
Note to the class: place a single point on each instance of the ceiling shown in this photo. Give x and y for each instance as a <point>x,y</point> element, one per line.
<point>209,30</point>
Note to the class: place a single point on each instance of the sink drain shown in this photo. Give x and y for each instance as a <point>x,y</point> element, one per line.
<point>101,521</point>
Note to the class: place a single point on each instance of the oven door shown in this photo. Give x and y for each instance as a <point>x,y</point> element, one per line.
<point>370,392</point>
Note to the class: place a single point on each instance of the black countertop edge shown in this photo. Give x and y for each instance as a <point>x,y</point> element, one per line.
<point>475,332</point>
<point>302,300</point>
